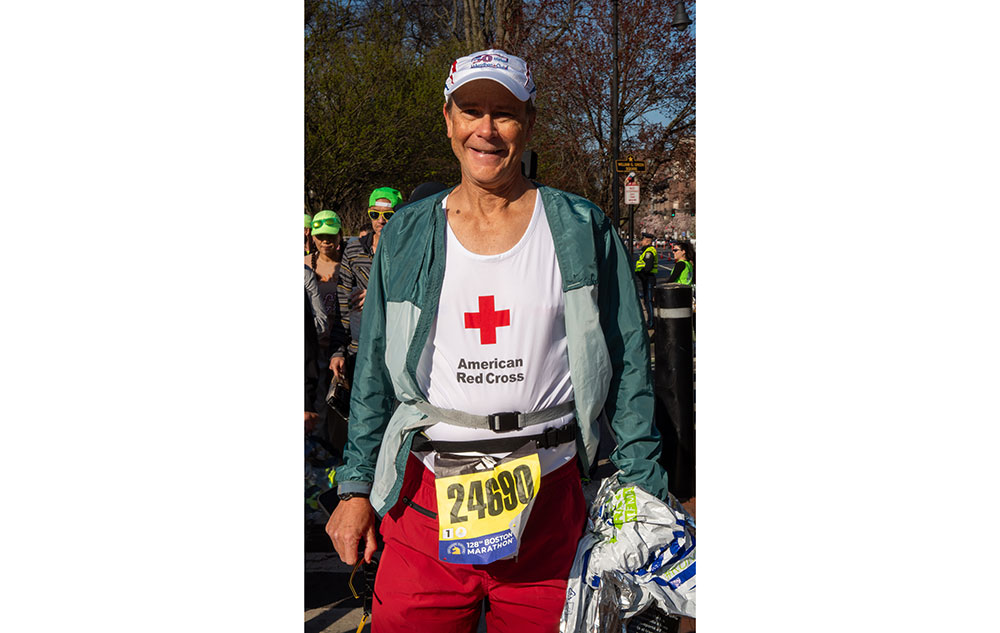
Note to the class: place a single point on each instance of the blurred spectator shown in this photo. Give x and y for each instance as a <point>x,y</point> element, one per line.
<point>683,272</point>
<point>425,189</point>
<point>354,272</point>
<point>646,268</point>
<point>325,259</point>
<point>325,263</point>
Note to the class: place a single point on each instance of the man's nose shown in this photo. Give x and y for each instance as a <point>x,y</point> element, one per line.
<point>487,126</point>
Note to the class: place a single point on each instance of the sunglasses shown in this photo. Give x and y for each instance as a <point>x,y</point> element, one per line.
<point>676,250</point>
<point>385,214</point>
<point>329,222</point>
<point>367,590</point>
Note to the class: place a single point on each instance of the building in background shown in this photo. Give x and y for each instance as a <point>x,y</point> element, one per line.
<point>672,204</point>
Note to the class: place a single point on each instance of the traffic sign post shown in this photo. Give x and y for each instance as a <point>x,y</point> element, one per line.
<point>631,194</point>
<point>631,200</point>
<point>631,233</point>
<point>631,189</point>
<point>630,164</point>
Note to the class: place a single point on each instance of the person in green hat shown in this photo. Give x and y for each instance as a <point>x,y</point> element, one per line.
<point>308,242</point>
<point>354,271</point>
<point>325,259</point>
<point>325,262</point>
<point>382,204</point>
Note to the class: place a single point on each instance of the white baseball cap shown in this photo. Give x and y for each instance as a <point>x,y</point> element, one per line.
<point>510,71</point>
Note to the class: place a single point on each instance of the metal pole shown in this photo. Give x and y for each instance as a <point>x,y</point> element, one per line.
<point>631,233</point>
<point>614,113</point>
<point>674,385</point>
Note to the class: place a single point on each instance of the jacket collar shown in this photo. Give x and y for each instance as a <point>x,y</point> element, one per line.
<point>366,243</point>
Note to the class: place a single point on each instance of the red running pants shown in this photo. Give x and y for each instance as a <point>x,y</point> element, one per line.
<point>414,591</point>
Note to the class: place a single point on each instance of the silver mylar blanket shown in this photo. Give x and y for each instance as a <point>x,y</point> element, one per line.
<point>637,550</point>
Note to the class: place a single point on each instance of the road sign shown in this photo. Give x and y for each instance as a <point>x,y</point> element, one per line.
<point>630,164</point>
<point>631,194</point>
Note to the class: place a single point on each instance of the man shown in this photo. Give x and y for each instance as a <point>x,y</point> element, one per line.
<point>355,267</point>
<point>645,269</point>
<point>504,322</point>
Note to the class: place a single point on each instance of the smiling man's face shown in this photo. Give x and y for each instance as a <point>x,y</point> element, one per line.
<point>489,129</point>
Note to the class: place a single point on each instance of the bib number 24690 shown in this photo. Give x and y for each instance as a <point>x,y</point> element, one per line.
<point>485,510</point>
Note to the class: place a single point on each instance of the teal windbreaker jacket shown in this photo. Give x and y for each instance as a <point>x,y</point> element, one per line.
<point>608,347</point>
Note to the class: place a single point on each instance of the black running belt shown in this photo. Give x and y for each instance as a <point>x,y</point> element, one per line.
<point>547,439</point>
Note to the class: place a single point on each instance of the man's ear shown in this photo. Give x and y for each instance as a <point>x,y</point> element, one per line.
<point>447,118</point>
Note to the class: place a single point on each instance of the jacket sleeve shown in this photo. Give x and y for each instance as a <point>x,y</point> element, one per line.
<point>320,320</point>
<point>630,402</point>
<point>372,395</point>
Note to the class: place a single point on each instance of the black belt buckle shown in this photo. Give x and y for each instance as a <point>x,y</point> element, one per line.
<point>548,438</point>
<point>503,421</point>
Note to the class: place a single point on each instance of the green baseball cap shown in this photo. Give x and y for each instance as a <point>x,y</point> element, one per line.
<point>325,223</point>
<point>390,194</point>
<point>309,221</point>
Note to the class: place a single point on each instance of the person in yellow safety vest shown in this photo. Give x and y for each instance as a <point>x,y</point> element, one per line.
<point>645,269</point>
<point>683,272</point>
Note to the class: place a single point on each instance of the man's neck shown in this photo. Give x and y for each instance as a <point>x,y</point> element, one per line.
<point>477,200</point>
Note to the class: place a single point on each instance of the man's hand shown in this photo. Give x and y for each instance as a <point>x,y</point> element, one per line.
<point>337,364</point>
<point>352,520</point>
<point>357,299</point>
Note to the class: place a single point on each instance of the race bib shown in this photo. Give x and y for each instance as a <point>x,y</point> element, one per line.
<point>483,505</point>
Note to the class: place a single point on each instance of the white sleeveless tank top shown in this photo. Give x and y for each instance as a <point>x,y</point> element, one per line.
<point>498,341</point>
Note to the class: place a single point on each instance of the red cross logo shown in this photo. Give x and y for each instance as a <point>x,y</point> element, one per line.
<point>487,320</point>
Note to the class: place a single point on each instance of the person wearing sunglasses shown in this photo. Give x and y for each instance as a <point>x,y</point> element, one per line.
<point>501,327</point>
<point>352,283</point>
<point>324,261</point>
<point>683,272</point>
<point>381,205</point>
<point>325,258</point>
